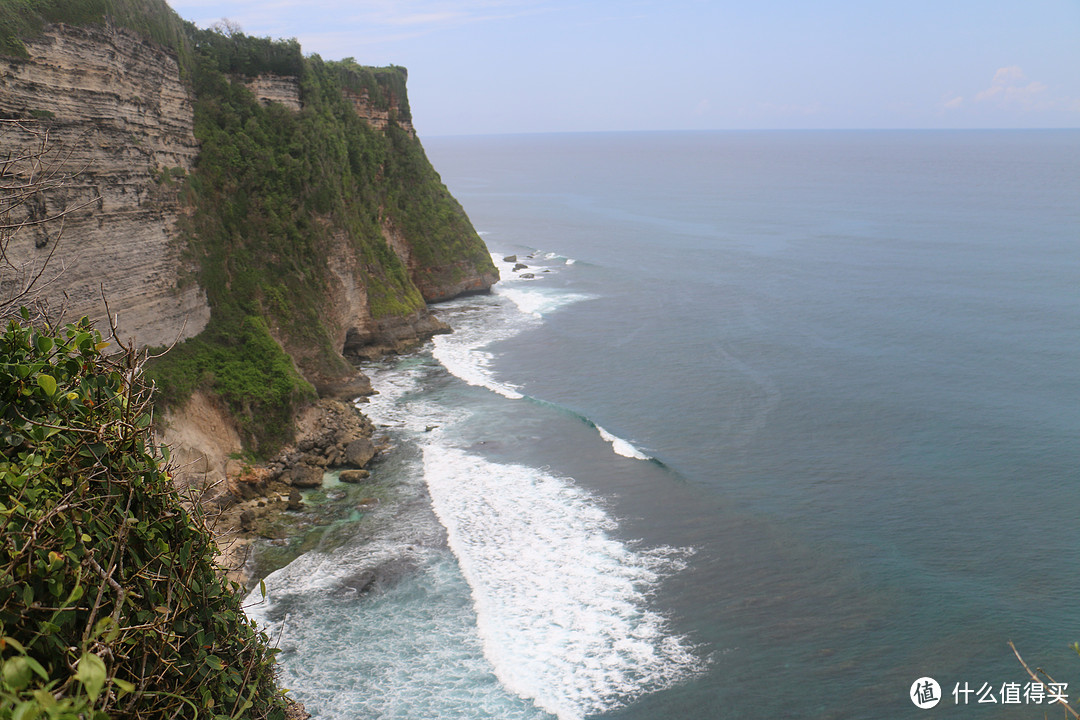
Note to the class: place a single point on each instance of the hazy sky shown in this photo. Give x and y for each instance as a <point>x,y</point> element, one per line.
<point>494,66</point>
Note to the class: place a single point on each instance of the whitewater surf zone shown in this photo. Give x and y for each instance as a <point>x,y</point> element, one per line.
<point>561,607</point>
<point>481,322</point>
<point>484,587</point>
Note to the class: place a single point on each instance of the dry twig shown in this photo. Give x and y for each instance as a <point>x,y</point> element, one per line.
<point>1035,678</point>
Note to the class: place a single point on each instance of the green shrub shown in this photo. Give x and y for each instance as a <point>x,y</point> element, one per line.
<point>248,370</point>
<point>110,602</point>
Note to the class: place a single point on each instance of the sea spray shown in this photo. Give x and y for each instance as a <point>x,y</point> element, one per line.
<point>621,446</point>
<point>561,605</point>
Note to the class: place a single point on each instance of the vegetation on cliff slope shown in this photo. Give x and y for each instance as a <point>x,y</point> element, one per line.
<point>153,19</point>
<point>111,605</point>
<point>274,194</point>
<point>110,602</point>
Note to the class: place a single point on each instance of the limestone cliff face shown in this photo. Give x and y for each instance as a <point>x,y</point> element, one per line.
<point>438,281</point>
<point>365,108</point>
<point>347,313</point>
<point>118,115</point>
<point>153,214</point>
<point>284,89</point>
<point>117,111</point>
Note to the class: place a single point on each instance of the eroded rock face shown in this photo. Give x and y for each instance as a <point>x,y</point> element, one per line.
<point>392,335</point>
<point>356,333</point>
<point>119,118</point>
<point>377,118</point>
<point>451,281</point>
<point>202,438</point>
<point>283,89</point>
<point>441,282</point>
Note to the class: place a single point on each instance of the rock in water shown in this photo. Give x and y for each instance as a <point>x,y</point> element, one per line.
<point>359,452</point>
<point>354,476</point>
<point>306,477</point>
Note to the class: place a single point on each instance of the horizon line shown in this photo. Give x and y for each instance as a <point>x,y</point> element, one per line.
<point>723,130</point>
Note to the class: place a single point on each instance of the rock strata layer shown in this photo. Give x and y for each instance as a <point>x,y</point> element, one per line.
<point>366,109</point>
<point>120,121</point>
<point>283,89</point>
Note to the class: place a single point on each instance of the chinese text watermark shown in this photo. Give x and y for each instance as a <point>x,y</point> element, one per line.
<point>926,693</point>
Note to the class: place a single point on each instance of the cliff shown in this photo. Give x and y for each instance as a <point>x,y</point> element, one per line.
<point>276,212</point>
<point>118,116</point>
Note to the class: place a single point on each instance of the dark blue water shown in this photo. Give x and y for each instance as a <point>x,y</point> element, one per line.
<point>850,363</point>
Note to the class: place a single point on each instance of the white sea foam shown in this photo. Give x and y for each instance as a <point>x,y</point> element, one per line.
<point>622,447</point>
<point>561,605</point>
<point>540,265</point>
<point>509,312</point>
<point>402,400</point>
<point>395,537</point>
<point>471,364</point>
<point>538,302</point>
<point>408,651</point>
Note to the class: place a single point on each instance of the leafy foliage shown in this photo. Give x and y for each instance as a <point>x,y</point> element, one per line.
<point>110,603</point>
<point>274,190</point>
<point>249,371</point>
<point>239,54</point>
<point>152,19</point>
<point>273,186</point>
<point>440,230</point>
<point>385,87</point>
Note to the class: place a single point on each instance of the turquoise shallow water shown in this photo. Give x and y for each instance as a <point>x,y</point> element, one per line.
<point>851,359</point>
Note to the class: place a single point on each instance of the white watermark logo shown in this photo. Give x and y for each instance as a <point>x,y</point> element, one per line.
<point>925,693</point>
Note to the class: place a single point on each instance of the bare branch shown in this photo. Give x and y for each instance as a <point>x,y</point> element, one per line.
<point>1035,678</point>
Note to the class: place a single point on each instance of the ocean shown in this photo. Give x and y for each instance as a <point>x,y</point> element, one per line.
<point>773,424</point>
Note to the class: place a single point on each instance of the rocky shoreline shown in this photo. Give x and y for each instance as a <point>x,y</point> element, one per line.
<point>332,435</point>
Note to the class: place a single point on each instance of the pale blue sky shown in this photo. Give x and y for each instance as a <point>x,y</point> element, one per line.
<point>507,66</point>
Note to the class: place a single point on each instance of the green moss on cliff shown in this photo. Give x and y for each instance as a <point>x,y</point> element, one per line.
<point>275,192</point>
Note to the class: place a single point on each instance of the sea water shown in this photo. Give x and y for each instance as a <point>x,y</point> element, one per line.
<point>780,423</point>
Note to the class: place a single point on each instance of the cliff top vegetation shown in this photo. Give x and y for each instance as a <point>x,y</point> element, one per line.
<point>152,19</point>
